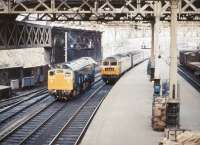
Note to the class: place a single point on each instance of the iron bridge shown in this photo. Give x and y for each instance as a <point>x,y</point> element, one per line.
<point>15,35</point>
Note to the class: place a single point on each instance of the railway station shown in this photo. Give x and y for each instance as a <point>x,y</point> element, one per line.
<point>99,72</point>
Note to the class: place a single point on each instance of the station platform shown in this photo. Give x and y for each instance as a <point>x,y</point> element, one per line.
<point>189,97</point>
<point>124,118</point>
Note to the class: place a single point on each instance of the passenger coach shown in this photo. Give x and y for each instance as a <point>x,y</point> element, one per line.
<point>114,66</point>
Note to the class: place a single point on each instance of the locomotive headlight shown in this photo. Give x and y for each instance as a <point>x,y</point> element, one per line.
<point>51,73</point>
<point>67,75</point>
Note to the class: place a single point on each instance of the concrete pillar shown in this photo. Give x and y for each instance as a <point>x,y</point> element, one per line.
<point>155,39</point>
<point>152,45</point>
<point>173,104</point>
<point>173,50</point>
<point>152,58</point>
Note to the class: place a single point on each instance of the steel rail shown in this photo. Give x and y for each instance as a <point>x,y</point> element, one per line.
<point>43,124</point>
<point>22,95</point>
<point>189,78</point>
<point>36,112</point>
<point>88,122</point>
<point>70,109</point>
<point>74,115</point>
<point>23,108</point>
<point>23,100</point>
<point>15,131</point>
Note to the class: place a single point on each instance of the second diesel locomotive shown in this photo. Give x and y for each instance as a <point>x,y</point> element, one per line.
<point>114,66</point>
<point>69,79</point>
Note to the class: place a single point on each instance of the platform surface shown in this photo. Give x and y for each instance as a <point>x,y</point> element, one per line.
<point>124,118</point>
<point>190,106</point>
<point>190,101</point>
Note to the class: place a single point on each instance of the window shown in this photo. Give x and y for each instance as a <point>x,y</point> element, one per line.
<point>114,63</point>
<point>105,63</point>
<point>59,71</point>
<point>67,75</point>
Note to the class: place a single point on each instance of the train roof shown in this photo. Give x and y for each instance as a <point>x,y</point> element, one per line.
<point>134,52</point>
<point>114,57</point>
<point>79,63</point>
<point>120,55</point>
<point>190,51</point>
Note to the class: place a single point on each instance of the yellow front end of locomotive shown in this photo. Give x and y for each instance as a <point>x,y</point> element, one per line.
<point>59,79</point>
<point>110,71</point>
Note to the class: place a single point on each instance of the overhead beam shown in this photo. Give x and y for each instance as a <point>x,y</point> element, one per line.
<point>92,10</point>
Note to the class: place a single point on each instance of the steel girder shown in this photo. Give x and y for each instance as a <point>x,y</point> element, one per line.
<point>14,35</point>
<point>93,10</point>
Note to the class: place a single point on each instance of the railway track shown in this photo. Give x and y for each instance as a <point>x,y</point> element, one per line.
<point>50,129</point>
<point>74,129</point>
<point>6,103</point>
<point>16,116</point>
<point>14,101</point>
<point>18,107</point>
<point>41,120</point>
<point>189,77</point>
<point>31,125</point>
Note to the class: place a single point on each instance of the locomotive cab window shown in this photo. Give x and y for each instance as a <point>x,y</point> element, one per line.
<point>113,63</point>
<point>59,71</point>
<point>105,63</point>
<point>67,73</point>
